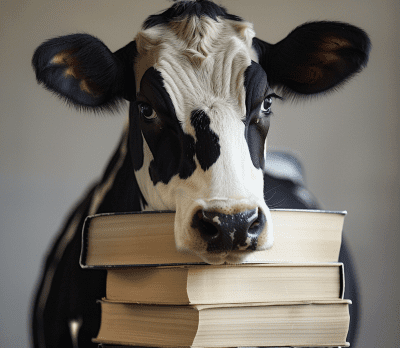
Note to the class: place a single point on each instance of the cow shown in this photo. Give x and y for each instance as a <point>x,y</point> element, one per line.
<point>200,87</point>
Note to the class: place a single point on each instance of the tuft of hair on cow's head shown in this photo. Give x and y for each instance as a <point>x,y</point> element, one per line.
<point>201,88</point>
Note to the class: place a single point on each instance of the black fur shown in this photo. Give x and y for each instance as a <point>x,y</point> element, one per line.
<point>172,149</point>
<point>256,131</point>
<point>314,58</point>
<point>74,291</point>
<point>104,73</point>
<point>207,142</point>
<point>126,56</point>
<point>183,9</point>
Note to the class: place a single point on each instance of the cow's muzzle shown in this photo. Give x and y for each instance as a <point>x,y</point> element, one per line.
<point>227,232</point>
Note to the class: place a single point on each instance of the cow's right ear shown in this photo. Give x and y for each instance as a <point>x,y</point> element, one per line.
<point>82,70</point>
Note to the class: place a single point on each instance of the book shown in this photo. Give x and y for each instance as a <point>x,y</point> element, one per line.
<point>303,323</point>
<point>147,238</point>
<point>207,284</point>
<point>101,345</point>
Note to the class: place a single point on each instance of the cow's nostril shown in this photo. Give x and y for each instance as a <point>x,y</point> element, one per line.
<point>224,232</point>
<point>207,230</point>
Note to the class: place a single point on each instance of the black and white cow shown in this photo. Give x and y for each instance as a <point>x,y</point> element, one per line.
<point>200,87</point>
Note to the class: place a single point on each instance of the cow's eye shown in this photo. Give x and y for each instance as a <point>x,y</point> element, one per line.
<point>147,111</point>
<point>266,106</point>
<point>267,103</point>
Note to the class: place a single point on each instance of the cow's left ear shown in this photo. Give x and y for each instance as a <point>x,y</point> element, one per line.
<point>81,69</point>
<point>315,57</point>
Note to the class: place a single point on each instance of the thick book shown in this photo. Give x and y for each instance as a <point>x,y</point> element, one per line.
<point>303,323</point>
<point>147,238</point>
<point>206,284</point>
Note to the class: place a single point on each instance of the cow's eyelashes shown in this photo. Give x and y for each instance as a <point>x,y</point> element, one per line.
<point>267,103</point>
<point>146,111</point>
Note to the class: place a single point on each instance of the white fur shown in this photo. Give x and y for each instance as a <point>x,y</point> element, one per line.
<point>207,75</point>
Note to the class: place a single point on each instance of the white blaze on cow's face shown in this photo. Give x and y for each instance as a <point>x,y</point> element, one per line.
<point>192,98</point>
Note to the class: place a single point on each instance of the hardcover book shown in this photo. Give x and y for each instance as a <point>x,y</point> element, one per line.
<point>301,323</point>
<point>208,284</point>
<point>147,238</point>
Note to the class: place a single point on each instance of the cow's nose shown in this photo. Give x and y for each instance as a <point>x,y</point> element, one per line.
<point>225,232</point>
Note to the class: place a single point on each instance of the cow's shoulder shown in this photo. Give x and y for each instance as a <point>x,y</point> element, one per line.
<point>284,184</point>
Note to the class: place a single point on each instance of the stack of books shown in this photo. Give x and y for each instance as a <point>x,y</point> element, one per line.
<point>290,295</point>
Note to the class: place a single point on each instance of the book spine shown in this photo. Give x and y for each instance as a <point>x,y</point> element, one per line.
<point>84,247</point>
<point>342,281</point>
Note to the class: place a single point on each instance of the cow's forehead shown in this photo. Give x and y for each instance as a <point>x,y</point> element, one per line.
<point>201,60</point>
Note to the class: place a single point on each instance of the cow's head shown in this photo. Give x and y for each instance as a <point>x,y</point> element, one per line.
<point>201,88</point>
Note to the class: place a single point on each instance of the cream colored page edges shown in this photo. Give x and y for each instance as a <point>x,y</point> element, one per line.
<point>131,239</point>
<point>148,285</point>
<point>132,324</point>
<point>226,327</point>
<point>304,237</point>
<point>259,284</point>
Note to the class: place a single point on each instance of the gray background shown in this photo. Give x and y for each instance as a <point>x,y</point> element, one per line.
<point>348,143</point>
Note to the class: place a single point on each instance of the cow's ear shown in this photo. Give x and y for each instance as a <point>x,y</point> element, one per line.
<point>81,69</point>
<point>315,57</point>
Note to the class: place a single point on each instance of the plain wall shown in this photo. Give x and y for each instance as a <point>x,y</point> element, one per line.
<point>347,142</point>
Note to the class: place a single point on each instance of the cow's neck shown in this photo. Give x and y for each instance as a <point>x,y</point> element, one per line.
<point>118,190</point>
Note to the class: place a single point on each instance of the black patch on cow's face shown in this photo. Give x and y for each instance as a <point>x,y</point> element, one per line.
<point>189,9</point>
<point>135,140</point>
<point>207,144</point>
<point>257,122</point>
<point>172,149</point>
